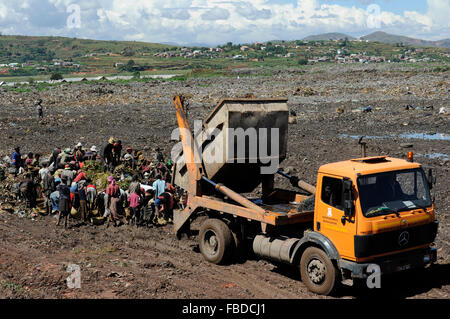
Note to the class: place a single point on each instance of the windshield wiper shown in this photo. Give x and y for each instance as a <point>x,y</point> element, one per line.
<point>382,209</point>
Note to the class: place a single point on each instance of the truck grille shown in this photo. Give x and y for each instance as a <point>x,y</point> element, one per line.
<point>375,244</point>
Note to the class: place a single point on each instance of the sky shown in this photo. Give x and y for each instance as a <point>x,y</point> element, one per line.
<point>214,22</point>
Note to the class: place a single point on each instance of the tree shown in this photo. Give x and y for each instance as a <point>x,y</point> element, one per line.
<point>56,76</point>
<point>137,75</point>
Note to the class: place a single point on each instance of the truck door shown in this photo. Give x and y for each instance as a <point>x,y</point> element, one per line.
<point>330,219</point>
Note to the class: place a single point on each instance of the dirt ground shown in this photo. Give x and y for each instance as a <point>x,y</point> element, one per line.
<point>126,262</point>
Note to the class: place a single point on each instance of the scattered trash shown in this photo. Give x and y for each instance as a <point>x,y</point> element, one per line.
<point>292,120</point>
<point>304,91</point>
<point>443,110</point>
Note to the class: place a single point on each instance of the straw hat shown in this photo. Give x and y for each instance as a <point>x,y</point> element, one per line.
<point>93,148</point>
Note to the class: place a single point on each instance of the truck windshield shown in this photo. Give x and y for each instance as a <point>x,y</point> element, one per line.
<point>392,192</point>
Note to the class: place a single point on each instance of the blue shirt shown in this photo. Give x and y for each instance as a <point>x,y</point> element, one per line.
<point>16,158</point>
<point>159,187</point>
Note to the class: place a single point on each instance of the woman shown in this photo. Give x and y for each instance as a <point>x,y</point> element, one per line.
<point>113,192</point>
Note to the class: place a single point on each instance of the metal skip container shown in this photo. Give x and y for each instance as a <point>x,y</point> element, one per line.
<point>237,141</point>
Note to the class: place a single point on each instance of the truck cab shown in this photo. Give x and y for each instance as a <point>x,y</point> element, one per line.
<point>376,210</point>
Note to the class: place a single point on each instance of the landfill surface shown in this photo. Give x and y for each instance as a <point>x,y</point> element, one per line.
<point>399,110</point>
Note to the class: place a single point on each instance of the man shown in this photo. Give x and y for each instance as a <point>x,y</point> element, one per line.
<point>54,197</point>
<point>40,109</point>
<point>78,153</point>
<point>80,176</point>
<point>91,194</point>
<point>43,171</point>
<point>128,158</point>
<point>91,155</point>
<point>148,207</point>
<point>83,203</point>
<point>164,208</point>
<point>158,157</point>
<point>66,158</point>
<point>159,186</point>
<point>134,185</point>
<point>68,174</point>
<point>55,159</point>
<point>49,187</point>
<point>64,201</point>
<point>28,191</point>
<point>106,155</point>
<point>17,158</point>
<point>116,152</point>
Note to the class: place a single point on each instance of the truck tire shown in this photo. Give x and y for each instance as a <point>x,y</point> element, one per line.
<point>317,271</point>
<point>216,241</point>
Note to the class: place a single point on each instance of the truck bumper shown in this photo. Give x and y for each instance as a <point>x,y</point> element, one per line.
<point>391,264</point>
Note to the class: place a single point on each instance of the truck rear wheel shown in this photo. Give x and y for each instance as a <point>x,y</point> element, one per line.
<point>317,271</point>
<point>216,241</point>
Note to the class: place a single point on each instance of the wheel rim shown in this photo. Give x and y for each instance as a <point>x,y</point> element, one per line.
<point>316,271</point>
<point>211,242</point>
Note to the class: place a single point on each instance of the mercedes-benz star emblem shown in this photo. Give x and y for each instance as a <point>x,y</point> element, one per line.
<point>403,238</point>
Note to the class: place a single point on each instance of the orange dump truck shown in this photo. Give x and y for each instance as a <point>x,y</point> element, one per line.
<point>362,212</point>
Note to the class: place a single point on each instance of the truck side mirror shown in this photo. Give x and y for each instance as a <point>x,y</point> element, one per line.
<point>431,179</point>
<point>347,187</point>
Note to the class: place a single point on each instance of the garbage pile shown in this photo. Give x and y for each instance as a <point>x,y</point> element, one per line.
<point>89,185</point>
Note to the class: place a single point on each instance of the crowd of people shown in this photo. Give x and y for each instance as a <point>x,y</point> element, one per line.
<point>63,183</point>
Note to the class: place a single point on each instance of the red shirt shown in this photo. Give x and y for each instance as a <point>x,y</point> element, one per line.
<point>113,190</point>
<point>80,176</point>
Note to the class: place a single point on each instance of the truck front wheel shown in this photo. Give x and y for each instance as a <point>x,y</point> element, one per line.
<point>317,271</point>
<point>216,241</point>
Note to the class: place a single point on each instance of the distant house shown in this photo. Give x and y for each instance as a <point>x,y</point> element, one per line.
<point>245,48</point>
<point>238,57</point>
<point>290,55</point>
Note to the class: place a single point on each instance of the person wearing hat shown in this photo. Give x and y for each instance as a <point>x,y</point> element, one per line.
<point>68,174</point>
<point>66,157</point>
<point>64,203</point>
<point>54,196</point>
<point>113,192</point>
<point>91,155</point>
<point>78,153</point>
<point>128,158</point>
<point>106,155</point>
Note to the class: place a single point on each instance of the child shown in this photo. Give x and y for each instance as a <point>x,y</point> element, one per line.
<point>135,200</point>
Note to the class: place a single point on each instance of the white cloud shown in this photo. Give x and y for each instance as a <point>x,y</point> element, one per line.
<point>215,21</point>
